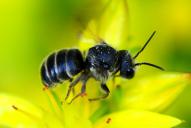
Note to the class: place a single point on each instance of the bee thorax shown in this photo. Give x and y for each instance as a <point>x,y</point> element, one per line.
<point>100,75</point>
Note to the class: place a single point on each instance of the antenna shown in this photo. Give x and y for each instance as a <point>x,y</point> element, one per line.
<point>145,44</point>
<point>149,64</point>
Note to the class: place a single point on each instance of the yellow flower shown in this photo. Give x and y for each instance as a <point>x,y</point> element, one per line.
<point>134,113</point>
<point>130,105</point>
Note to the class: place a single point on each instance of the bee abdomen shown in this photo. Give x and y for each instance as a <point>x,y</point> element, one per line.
<point>61,66</point>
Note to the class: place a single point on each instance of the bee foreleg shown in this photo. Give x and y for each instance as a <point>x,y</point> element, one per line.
<point>105,89</point>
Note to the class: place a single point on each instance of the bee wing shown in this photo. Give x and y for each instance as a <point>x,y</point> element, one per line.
<point>110,26</point>
<point>89,36</point>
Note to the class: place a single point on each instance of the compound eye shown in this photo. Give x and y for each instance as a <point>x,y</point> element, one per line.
<point>129,73</point>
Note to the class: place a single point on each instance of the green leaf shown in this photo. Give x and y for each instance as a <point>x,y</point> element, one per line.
<point>137,119</point>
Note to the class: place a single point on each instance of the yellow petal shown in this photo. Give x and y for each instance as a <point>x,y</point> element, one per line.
<point>111,26</point>
<point>16,112</point>
<point>13,118</point>
<point>113,23</point>
<point>137,119</point>
<point>155,93</point>
<point>71,115</point>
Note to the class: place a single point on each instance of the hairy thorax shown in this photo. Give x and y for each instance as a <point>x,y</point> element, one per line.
<point>101,61</point>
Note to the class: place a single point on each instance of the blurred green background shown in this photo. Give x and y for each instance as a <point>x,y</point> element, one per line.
<point>31,29</point>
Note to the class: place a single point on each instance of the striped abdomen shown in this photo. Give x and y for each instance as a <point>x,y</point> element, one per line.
<point>61,66</point>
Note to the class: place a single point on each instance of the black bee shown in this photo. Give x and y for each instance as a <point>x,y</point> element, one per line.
<point>102,61</point>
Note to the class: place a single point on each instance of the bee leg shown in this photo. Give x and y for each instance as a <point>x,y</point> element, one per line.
<point>73,91</point>
<point>71,86</point>
<point>83,90</point>
<point>70,79</point>
<point>114,80</point>
<point>105,89</point>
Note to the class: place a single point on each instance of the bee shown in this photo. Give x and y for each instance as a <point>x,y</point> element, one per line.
<point>101,62</point>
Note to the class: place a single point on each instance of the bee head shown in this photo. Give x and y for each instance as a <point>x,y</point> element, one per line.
<point>127,64</point>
